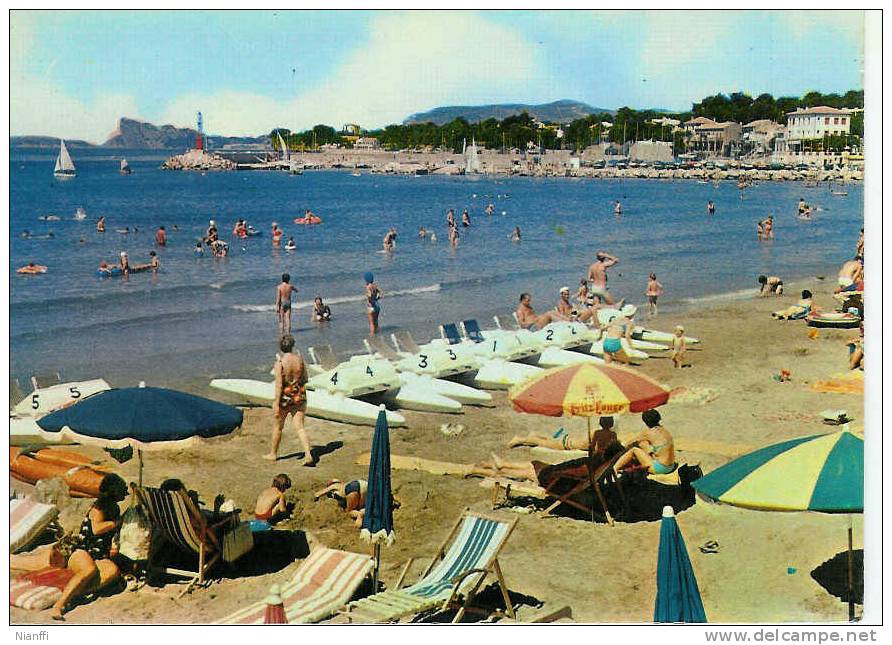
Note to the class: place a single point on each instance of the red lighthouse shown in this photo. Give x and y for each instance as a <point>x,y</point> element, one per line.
<point>199,138</point>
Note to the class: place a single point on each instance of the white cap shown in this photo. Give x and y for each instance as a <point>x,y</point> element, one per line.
<point>213,223</point>
<point>629,310</point>
<point>563,289</point>
<point>668,511</point>
<point>123,254</point>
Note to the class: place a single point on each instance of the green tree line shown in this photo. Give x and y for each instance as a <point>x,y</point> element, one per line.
<point>627,124</point>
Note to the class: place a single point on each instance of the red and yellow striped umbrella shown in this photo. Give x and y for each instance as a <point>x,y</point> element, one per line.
<point>587,390</point>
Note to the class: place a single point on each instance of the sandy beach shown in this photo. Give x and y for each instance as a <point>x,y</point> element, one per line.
<point>761,572</point>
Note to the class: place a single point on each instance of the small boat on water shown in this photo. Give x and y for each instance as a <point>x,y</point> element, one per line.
<point>125,167</point>
<point>64,165</point>
<point>356,173</point>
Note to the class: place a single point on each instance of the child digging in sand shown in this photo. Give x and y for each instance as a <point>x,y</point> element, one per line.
<point>679,347</point>
<point>271,506</point>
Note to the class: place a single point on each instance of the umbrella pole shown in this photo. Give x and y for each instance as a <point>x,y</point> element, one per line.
<point>139,454</point>
<point>588,422</point>
<point>377,567</point>
<point>851,576</point>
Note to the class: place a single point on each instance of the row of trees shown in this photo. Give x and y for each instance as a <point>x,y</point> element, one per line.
<point>626,124</point>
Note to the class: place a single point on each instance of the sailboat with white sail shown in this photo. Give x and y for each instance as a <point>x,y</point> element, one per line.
<point>472,160</point>
<point>290,165</point>
<point>64,165</point>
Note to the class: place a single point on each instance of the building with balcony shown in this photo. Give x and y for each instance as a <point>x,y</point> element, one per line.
<point>806,124</point>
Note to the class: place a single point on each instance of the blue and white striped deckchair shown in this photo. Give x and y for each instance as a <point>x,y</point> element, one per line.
<point>175,515</point>
<point>474,545</point>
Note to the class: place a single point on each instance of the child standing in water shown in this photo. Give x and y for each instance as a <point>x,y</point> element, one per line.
<point>679,347</point>
<point>654,291</point>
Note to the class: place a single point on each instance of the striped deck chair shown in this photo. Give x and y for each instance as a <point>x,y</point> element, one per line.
<point>324,583</point>
<point>27,520</point>
<point>175,515</point>
<point>474,545</point>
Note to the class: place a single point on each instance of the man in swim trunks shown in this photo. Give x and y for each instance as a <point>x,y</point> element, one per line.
<point>618,209</point>
<point>389,238</point>
<point>851,273</point>
<point>283,303</point>
<point>597,275</point>
<point>527,318</point>
<point>710,207</point>
<point>161,237</point>
<point>100,225</point>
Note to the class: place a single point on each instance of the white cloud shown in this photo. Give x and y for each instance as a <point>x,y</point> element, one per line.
<point>39,106</point>
<point>412,61</point>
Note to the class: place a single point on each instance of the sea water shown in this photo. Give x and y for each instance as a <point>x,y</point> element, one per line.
<point>205,317</point>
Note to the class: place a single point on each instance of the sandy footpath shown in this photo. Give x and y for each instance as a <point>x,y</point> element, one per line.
<point>606,574</point>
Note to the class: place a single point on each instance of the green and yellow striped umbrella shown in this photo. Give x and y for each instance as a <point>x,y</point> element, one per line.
<point>823,473</point>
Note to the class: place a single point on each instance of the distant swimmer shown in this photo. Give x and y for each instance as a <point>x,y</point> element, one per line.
<point>597,275</point>
<point>618,208</point>
<point>422,233</point>
<point>433,238</point>
<point>211,234</point>
<point>373,294</point>
<point>31,269</point>
<point>100,225</point>
<point>198,250</point>
<point>490,209</point>
<point>769,285</point>
<point>465,218</point>
<point>155,263</point>
<point>802,205</point>
<point>453,236</point>
<point>765,228</point>
<point>515,234</point>
<point>389,241</point>
<point>125,263</point>
<point>219,248</point>
<point>527,317</point>
<point>283,303</point>
<point>710,207</point>
<point>25,234</point>
<point>277,235</point>
<point>450,218</point>
<point>161,236</point>
<point>290,245</point>
<point>321,311</point>
<point>123,231</point>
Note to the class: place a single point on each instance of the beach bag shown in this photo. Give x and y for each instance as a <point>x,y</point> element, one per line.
<point>237,541</point>
<point>135,539</point>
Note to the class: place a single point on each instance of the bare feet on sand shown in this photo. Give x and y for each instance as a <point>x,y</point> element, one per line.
<point>270,457</point>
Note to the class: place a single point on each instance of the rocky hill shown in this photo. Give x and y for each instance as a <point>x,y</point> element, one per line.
<point>131,133</point>
<point>561,111</point>
<point>47,142</point>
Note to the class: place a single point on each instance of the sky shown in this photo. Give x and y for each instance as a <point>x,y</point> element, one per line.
<point>74,73</point>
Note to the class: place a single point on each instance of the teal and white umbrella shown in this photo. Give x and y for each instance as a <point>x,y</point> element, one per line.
<point>822,473</point>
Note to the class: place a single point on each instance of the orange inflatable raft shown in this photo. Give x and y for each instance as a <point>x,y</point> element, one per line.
<point>82,475</point>
<point>310,219</point>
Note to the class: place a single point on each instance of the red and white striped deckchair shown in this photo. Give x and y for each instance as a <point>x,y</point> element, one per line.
<point>324,583</point>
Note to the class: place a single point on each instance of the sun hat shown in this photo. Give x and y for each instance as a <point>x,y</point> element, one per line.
<point>629,310</point>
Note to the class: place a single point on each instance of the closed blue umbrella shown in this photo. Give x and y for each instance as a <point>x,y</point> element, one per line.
<point>678,597</point>
<point>377,522</point>
<point>147,418</point>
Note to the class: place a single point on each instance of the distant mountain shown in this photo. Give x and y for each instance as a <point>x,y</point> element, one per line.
<point>47,142</point>
<point>131,133</point>
<point>561,111</point>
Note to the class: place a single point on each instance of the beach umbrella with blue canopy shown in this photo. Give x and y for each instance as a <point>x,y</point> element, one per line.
<point>678,597</point>
<point>822,473</point>
<point>377,522</point>
<point>145,418</point>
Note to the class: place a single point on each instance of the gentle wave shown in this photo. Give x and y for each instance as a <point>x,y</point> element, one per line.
<point>729,296</point>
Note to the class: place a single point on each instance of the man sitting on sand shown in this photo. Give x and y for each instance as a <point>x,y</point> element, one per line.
<point>527,317</point>
<point>850,274</point>
<point>565,307</point>
<point>800,310</point>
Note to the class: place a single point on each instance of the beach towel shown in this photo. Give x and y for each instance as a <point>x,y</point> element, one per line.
<point>325,581</point>
<point>845,383</point>
<point>38,590</point>
<point>27,520</point>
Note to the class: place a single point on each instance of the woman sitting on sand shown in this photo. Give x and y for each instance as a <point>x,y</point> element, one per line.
<point>88,554</point>
<point>350,497</point>
<point>654,449</point>
<point>271,506</point>
<point>800,310</point>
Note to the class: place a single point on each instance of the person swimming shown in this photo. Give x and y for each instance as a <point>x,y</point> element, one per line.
<point>290,245</point>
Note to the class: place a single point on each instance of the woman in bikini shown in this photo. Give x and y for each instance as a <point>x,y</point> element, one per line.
<point>654,449</point>
<point>290,399</point>
<point>373,295</point>
<point>350,496</point>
